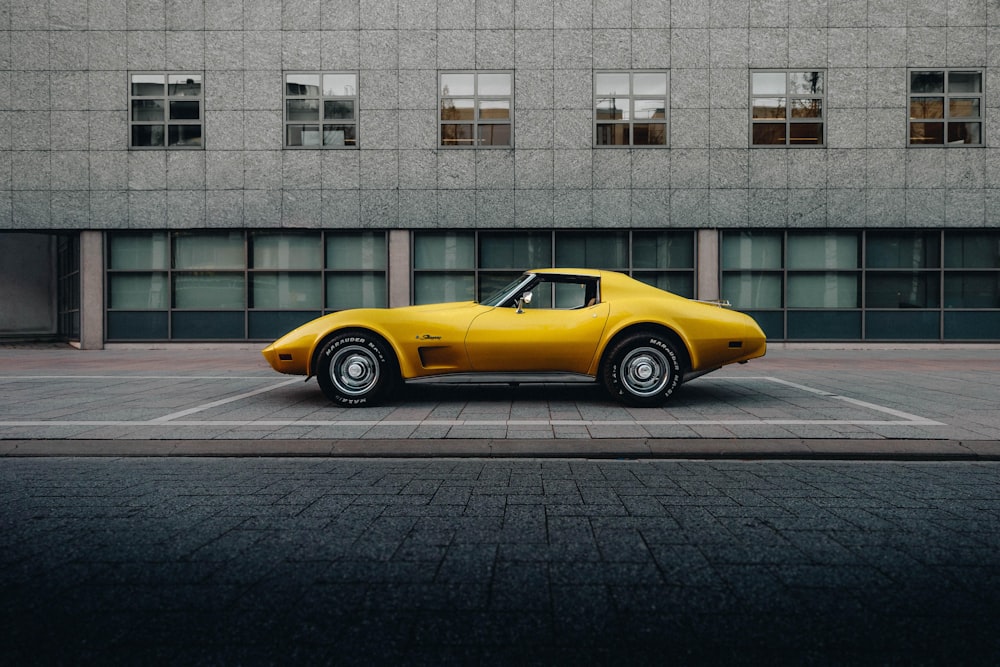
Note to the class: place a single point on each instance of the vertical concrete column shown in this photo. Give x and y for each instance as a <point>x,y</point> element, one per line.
<point>91,290</point>
<point>707,243</point>
<point>399,267</point>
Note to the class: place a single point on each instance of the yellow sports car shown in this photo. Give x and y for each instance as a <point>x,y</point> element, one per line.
<point>548,325</point>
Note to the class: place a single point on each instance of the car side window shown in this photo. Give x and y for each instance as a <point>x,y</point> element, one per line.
<point>562,294</point>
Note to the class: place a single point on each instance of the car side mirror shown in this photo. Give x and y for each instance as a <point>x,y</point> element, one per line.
<point>525,299</point>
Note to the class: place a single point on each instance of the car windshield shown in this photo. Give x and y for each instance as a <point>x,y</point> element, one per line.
<point>498,296</point>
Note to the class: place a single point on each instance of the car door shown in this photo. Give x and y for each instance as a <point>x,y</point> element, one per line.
<point>536,339</point>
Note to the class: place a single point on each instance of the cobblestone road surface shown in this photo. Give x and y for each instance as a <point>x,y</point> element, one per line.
<point>319,561</point>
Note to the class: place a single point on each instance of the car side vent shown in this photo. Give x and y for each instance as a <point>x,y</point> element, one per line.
<point>735,344</point>
<point>285,357</point>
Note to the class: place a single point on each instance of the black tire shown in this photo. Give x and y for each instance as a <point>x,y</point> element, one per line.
<point>357,369</point>
<point>642,370</point>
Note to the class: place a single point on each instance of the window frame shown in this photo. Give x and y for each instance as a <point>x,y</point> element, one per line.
<point>320,121</point>
<point>945,95</point>
<point>476,121</point>
<point>789,120</point>
<point>166,98</point>
<point>632,121</point>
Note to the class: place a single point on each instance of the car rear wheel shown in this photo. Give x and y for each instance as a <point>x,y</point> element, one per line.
<point>356,369</point>
<point>642,370</point>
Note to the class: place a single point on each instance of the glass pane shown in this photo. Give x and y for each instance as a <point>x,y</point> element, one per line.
<point>221,250</point>
<point>649,110</point>
<point>967,289</point>
<point>340,85</point>
<point>137,325</point>
<point>748,250</point>
<point>443,287</point>
<point>494,84</point>
<point>457,109</point>
<point>824,325</point>
<point>805,83</point>
<point>926,133</point>
<point>458,84</point>
<point>184,85</point>
<point>138,251</point>
<point>200,325</point>
<point>338,109</point>
<point>662,250</point>
<point>769,107</point>
<point>611,83</point>
<point>649,134</point>
<point>139,291</point>
<point>613,134</point>
<point>147,109</point>
<point>614,108</point>
<point>286,290</point>
<point>765,134</point>
<point>823,251</point>
<point>339,135</point>
<point>148,84</point>
<point>962,107</point>
<point>964,133</point>
<point>491,283</point>
<point>968,250</point>
<point>901,290</point>
<point>971,326</point>
<point>965,82</point>
<point>209,289</point>
<point>268,325</point>
<point>185,110</point>
<point>184,135</point>
<point>444,250</point>
<point>494,110</point>
<point>678,283</point>
<point>649,83</point>
<point>147,135</point>
<point>805,133</point>
<point>926,82</point>
<point>363,250</point>
<point>302,135</point>
<point>752,290</point>
<point>903,250</point>
<point>807,108</point>
<point>926,107</point>
<point>286,251</point>
<point>302,110</point>
<point>527,250</point>
<point>355,290</point>
<point>302,84</point>
<point>823,290</point>
<point>456,135</point>
<point>494,135</point>
<point>592,251</point>
<point>902,326</point>
<point>768,83</point>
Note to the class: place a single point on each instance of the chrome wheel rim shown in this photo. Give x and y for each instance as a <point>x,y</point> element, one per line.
<point>354,370</point>
<point>645,371</point>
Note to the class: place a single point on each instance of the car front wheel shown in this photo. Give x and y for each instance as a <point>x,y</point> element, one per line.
<point>356,369</point>
<point>642,370</point>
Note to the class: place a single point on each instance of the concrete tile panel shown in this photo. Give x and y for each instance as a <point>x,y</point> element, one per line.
<point>926,13</point>
<point>768,168</point>
<point>413,14</point>
<point>689,168</point>
<point>108,130</point>
<point>379,50</point>
<point>301,49</point>
<point>456,15</point>
<point>70,170</point>
<point>925,47</point>
<point>417,49</point>
<point>612,48</point>
<point>341,209</point>
<point>887,87</point>
<point>846,207</point>
<point>262,90</point>
<point>573,129</point>
<point>147,209</point>
<point>612,13</point>
<point>613,208</point>
<point>494,169</point>
<point>301,208</point>
<point>346,14</point>
<point>456,49</point>
<point>807,168</point>
<point>612,169</point>
<point>689,13</point>
<point>846,88</point>
<point>185,209</point>
<point>768,47</point>
<point>689,48</point>
<point>456,208</point>
<point>534,89</point>
<point>848,13</point>
<point>229,15</point>
<point>729,208</point>
<point>495,49</point>
<point>262,130</point>
<point>69,50</point>
<point>925,207</point>
<point>185,170</point>
<point>573,168</point>
<point>181,14</point>
<point>925,168</point>
<point>300,170</point>
<point>651,169</point>
<point>147,49</point>
<point>341,169</point>
<point>224,90</point>
<point>224,208</point>
<point>807,208</point>
<point>846,168</point>
<point>534,208</point>
<point>379,169</point>
<point>456,169</point>
<point>729,14</point>
<point>572,49</point>
<point>688,130</point>
<point>729,47</point>
<point>146,14</point>
<point>651,49</point>
<point>261,208</point>
<point>728,128</point>
<point>689,88</point>
<point>886,128</point>
<point>30,91</point>
<point>223,49</point>
<point>494,209</point>
<point>729,168</point>
<point>29,50</point>
<point>379,209</point>
<point>224,170</point>
<point>808,13</point>
<point>262,169</point>
<point>807,46</point>
<point>108,170</point>
<point>573,89</point>
<point>886,13</point>
<point>30,209</point>
<point>224,130</point>
<point>965,168</point>
<point>887,47</point>
<point>886,207</point>
<point>848,47</point>
<point>417,130</point>
<point>109,209</point>
<point>651,208</point>
<point>572,208</point>
<point>261,51</point>
<point>768,207</point>
<point>534,128</point>
<point>300,14</point>
<point>965,208</point>
<point>107,50</point>
<point>29,130</point>
<point>966,47</point>
<point>418,208</point>
<point>417,169</point>
<point>147,170</point>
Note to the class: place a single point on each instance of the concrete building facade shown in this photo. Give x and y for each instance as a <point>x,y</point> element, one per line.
<point>192,170</point>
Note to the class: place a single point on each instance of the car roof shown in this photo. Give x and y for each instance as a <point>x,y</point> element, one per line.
<point>586,273</point>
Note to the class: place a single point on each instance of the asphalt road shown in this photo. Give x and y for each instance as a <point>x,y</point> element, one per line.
<point>187,561</point>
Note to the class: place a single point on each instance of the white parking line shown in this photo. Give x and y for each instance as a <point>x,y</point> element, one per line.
<point>175,419</point>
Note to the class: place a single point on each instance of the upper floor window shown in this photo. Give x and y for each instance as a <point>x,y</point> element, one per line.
<point>476,109</point>
<point>321,110</point>
<point>166,110</point>
<point>786,108</point>
<point>630,108</point>
<point>946,107</point>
